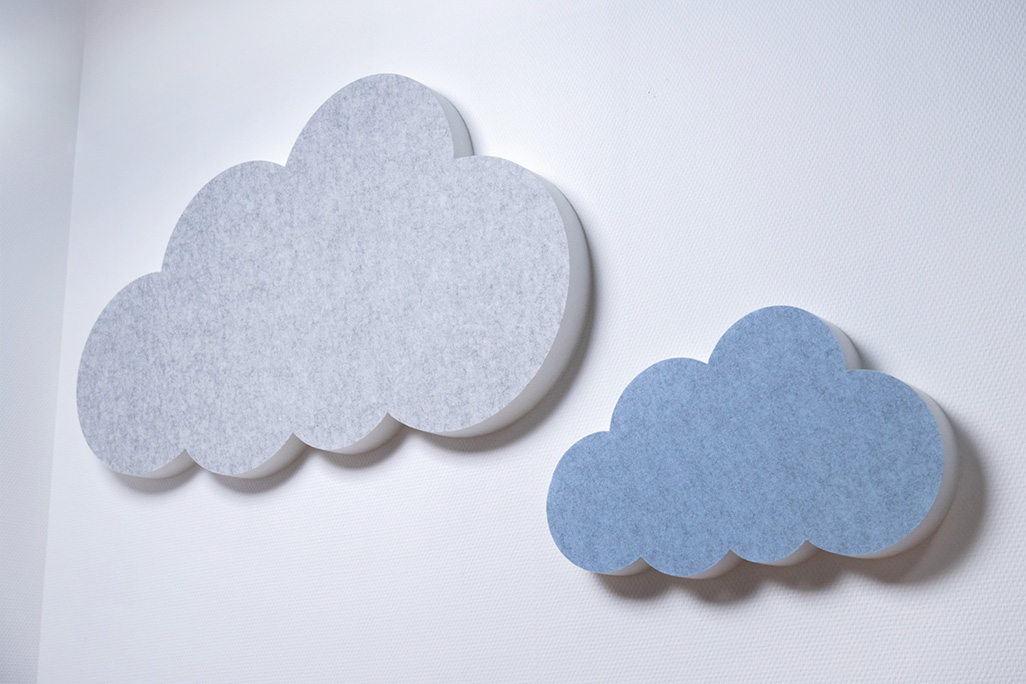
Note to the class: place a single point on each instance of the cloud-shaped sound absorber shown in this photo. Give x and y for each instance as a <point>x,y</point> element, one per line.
<point>383,276</point>
<point>774,448</point>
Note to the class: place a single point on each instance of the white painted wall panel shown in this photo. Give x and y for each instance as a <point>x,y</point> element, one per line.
<point>40,67</point>
<point>863,161</point>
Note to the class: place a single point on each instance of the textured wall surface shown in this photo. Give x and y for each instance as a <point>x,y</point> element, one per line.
<point>40,68</point>
<point>862,161</point>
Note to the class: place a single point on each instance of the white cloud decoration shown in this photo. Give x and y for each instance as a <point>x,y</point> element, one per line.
<point>383,276</point>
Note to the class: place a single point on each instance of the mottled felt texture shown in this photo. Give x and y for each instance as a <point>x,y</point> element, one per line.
<point>770,444</point>
<point>373,274</point>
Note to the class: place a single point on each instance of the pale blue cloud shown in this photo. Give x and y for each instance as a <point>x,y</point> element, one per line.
<point>771,444</point>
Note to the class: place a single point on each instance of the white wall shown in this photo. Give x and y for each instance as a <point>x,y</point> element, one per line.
<point>40,64</point>
<point>862,161</point>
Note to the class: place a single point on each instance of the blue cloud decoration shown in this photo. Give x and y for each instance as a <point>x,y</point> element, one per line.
<point>384,276</point>
<point>776,447</point>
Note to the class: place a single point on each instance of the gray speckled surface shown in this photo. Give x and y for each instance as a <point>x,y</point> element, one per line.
<point>373,274</point>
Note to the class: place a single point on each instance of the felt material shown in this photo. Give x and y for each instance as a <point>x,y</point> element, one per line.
<point>374,274</point>
<point>770,444</point>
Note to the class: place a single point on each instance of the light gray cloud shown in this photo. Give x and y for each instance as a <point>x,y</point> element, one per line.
<point>376,274</point>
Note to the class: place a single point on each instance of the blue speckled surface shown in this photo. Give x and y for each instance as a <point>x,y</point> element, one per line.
<point>770,444</point>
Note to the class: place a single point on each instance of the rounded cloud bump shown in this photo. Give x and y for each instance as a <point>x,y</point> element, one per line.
<point>377,278</point>
<point>772,448</point>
